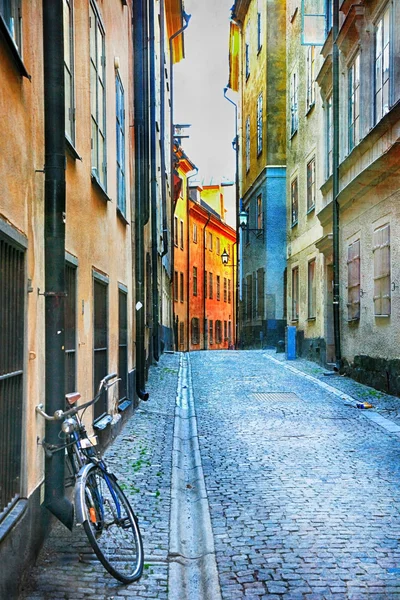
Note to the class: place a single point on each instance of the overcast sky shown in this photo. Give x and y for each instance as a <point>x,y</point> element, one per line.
<point>199,83</point>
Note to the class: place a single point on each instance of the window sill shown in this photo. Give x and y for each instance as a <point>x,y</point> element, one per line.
<point>122,217</point>
<point>71,149</point>
<point>12,48</point>
<point>311,210</point>
<point>294,224</point>
<point>382,316</point>
<point>98,186</point>
<point>311,319</point>
<point>294,320</point>
<point>293,133</point>
<point>310,109</point>
<point>259,50</point>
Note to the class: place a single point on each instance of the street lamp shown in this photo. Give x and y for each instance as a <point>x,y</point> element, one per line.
<point>243,222</point>
<point>225,257</point>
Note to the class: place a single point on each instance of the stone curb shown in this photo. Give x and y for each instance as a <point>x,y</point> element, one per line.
<point>387,424</point>
<point>193,573</point>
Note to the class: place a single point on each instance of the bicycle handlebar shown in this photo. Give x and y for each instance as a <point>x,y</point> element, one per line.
<point>60,414</point>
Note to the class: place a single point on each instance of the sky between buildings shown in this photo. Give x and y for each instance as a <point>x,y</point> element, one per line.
<point>199,84</point>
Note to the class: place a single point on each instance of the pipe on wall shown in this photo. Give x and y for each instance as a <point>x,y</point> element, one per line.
<point>54,251</point>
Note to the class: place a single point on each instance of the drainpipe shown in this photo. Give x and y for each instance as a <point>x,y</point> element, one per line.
<point>204,279</point>
<point>153,174</point>
<point>335,192</point>
<point>139,24</point>
<point>186,18</point>
<point>237,206</point>
<point>162,131</point>
<point>54,251</point>
<point>188,256</point>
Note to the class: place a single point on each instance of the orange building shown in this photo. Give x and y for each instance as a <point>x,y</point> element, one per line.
<point>204,287</point>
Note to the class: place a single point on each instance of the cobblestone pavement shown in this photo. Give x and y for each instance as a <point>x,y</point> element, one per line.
<point>304,491</point>
<point>141,457</point>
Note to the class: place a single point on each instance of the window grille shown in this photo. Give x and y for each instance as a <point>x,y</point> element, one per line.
<point>12,327</point>
<point>123,344</point>
<point>353,281</point>
<point>100,347</point>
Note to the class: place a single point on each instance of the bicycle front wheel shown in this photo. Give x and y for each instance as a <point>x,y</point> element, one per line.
<point>111,526</point>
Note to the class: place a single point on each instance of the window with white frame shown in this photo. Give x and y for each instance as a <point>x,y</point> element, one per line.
<point>69,71</point>
<point>120,114</point>
<point>247,50</point>
<point>97,96</point>
<point>310,76</point>
<point>329,136</point>
<point>295,294</point>
<point>294,114</point>
<point>294,200</point>
<point>248,144</point>
<point>354,103</point>
<point>10,10</point>
<point>259,124</point>
<point>382,64</point>
<point>381,250</point>
<point>311,184</point>
<point>353,281</point>
<point>311,289</point>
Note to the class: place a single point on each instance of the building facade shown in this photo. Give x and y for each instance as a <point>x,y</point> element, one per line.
<point>258,65</point>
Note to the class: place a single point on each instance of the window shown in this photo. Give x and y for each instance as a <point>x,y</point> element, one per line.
<point>247,50</point>
<point>259,212</point>
<point>229,291</point>
<point>100,346</point>
<point>176,286</point>
<point>329,137</point>
<point>353,281</point>
<point>97,96</point>
<point>69,71</point>
<point>295,294</point>
<point>259,124</point>
<point>12,327</point>
<point>211,332</point>
<point>225,289</point>
<point>194,281</point>
<point>382,65</point>
<point>218,332</point>
<point>218,287</point>
<point>259,25</point>
<point>10,11</point>
<point>181,231</point>
<point>294,115</point>
<point>176,231</point>
<point>248,144</point>
<point>310,77</point>
<point>195,233</point>
<point>182,333</point>
<point>218,247</point>
<point>205,284</point>
<point>123,344</point>
<point>354,103</point>
<point>294,198</point>
<point>311,289</point>
<point>120,114</point>
<point>225,330</point>
<point>260,293</point>
<point>229,331</point>
<point>211,285</point>
<point>195,331</point>
<point>329,15</point>
<point>70,328</point>
<point>382,300</point>
<point>311,185</point>
<point>249,297</point>
<point>210,241</point>
<point>182,290</point>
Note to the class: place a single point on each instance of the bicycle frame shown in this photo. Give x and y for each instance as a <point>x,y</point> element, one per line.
<point>80,491</point>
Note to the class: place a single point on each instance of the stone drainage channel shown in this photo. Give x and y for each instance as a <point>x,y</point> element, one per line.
<point>193,573</point>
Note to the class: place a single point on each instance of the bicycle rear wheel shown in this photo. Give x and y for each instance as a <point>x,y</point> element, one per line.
<point>111,526</point>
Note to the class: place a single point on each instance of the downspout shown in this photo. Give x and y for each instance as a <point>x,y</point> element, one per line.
<point>139,24</point>
<point>54,252</point>
<point>172,131</point>
<point>153,193</point>
<point>188,257</point>
<point>204,279</point>
<point>335,191</point>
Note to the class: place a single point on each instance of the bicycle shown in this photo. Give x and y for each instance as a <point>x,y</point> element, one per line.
<point>101,506</point>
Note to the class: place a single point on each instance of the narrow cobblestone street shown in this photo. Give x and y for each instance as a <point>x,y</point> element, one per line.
<point>302,487</point>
